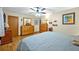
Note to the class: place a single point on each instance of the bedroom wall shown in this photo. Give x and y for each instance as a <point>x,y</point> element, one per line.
<point>20,22</point>
<point>20,16</point>
<point>69,29</point>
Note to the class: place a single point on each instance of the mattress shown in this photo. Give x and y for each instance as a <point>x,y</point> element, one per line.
<point>47,41</point>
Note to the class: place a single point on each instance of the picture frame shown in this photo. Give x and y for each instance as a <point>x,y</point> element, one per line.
<point>50,22</point>
<point>54,24</point>
<point>68,18</point>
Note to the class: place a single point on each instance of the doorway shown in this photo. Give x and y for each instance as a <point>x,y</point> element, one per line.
<point>36,23</point>
<point>13,24</point>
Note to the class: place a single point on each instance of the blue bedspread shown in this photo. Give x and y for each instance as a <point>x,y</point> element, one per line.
<point>47,41</point>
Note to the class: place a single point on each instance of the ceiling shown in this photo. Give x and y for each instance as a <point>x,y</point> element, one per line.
<point>27,10</point>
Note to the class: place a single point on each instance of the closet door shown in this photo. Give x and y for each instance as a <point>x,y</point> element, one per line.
<point>1,23</point>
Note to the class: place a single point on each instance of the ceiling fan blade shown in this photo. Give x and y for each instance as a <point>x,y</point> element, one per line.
<point>43,12</point>
<point>38,10</point>
<point>43,9</point>
<point>32,9</point>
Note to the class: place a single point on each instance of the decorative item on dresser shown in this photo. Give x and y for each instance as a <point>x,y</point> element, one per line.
<point>7,38</point>
<point>43,27</point>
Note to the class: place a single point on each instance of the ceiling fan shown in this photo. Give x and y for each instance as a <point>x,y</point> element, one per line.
<point>39,10</point>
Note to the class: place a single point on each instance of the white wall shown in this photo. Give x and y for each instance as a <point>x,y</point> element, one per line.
<point>69,29</point>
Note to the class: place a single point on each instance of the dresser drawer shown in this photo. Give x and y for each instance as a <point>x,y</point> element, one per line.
<point>27,30</point>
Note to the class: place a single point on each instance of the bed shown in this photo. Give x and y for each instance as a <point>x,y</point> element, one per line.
<point>47,41</point>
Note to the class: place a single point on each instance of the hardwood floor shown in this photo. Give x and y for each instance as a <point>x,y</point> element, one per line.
<point>12,46</point>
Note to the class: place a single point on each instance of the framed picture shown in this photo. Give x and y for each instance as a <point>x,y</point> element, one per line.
<point>50,22</point>
<point>68,18</point>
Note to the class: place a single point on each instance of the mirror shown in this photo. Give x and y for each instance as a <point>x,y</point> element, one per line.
<point>43,21</point>
<point>26,21</point>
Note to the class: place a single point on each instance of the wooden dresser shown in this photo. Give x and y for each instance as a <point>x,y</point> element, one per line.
<point>7,38</point>
<point>27,29</point>
<point>43,27</point>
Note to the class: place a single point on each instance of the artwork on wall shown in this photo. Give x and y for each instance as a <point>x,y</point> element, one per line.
<point>68,18</point>
<point>54,24</point>
<point>55,21</point>
<point>50,22</point>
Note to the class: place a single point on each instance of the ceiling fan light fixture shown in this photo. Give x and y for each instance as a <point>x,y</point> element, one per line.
<point>39,11</point>
<point>38,14</point>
